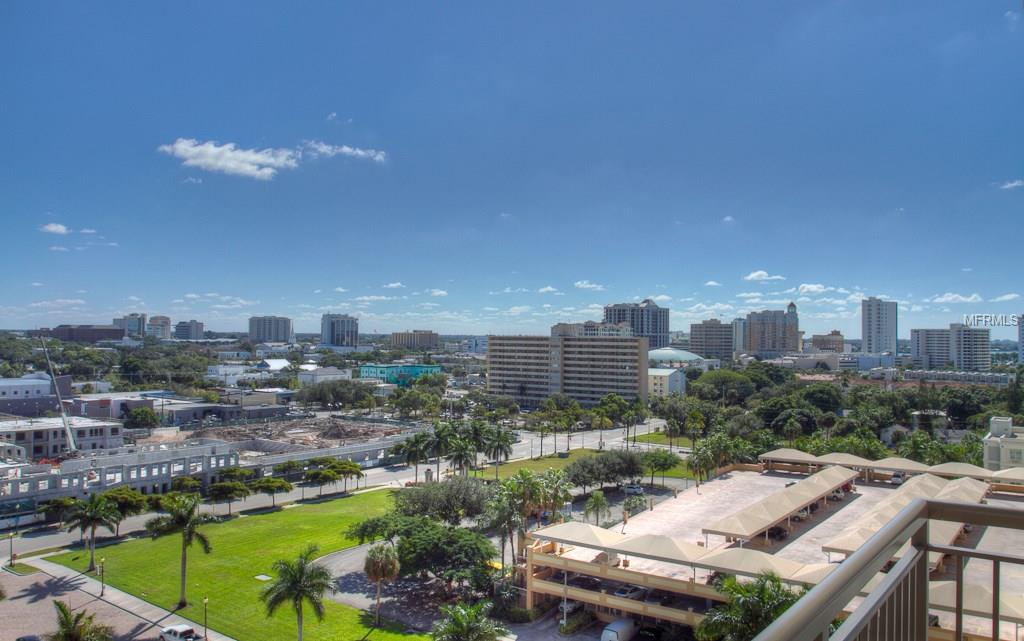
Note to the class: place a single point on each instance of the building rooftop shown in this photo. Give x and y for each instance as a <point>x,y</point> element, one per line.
<point>26,424</point>
<point>671,355</point>
<point>661,371</point>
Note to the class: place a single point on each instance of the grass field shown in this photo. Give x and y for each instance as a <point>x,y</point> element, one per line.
<point>243,548</point>
<point>22,568</point>
<point>538,465</point>
<point>659,438</point>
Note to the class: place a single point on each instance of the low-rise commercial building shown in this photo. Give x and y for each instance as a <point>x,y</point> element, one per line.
<point>396,373</point>
<point>47,437</point>
<point>323,375</point>
<point>32,394</point>
<point>1003,446</point>
<point>84,333</point>
<point>664,381</point>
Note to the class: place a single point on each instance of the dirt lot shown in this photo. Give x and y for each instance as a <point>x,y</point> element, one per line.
<point>315,432</point>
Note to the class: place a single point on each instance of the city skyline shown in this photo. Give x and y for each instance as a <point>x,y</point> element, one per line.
<point>469,183</point>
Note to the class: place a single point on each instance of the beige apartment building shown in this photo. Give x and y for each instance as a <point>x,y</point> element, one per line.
<point>415,339</point>
<point>832,342</point>
<point>586,368</point>
<point>712,339</point>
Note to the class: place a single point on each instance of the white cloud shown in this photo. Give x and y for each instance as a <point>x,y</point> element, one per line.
<point>317,291</point>
<point>950,297</point>
<point>712,283</point>
<point>55,228</point>
<point>517,310</point>
<point>586,284</point>
<point>58,248</point>
<point>728,219</point>
<point>316,149</point>
<point>113,244</point>
<point>81,291</point>
<point>437,292</point>
<point>58,302</point>
<point>967,269</point>
<point>1005,297</point>
<point>395,285</point>
<point>261,164</point>
<point>340,290</point>
<point>372,299</point>
<point>1012,18</point>
<point>490,309</point>
<point>192,180</point>
<point>713,307</point>
<point>86,230</point>
<point>814,288</point>
<point>661,298</point>
<point>134,299</point>
<point>1012,184</point>
<point>547,290</point>
<point>193,296</point>
<point>38,284</point>
<point>332,116</point>
<point>761,275</point>
<point>177,301</point>
<point>510,290</point>
<point>748,295</point>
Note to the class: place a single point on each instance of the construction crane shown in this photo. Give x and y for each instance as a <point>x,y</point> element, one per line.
<point>69,433</point>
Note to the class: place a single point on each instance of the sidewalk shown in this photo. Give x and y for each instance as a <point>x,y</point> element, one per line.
<point>144,610</point>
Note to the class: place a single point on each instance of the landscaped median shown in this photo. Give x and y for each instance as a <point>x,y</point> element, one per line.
<point>560,461</point>
<point>244,548</point>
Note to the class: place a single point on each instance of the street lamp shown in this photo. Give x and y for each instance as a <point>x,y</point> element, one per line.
<point>206,602</point>
<point>10,537</point>
<point>103,575</point>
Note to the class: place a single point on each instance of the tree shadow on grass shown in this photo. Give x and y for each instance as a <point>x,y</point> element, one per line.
<point>367,620</point>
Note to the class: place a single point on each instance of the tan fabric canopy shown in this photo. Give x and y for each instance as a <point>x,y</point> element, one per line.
<point>897,464</point>
<point>749,562</point>
<point>788,455</point>
<point>1010,474</point>
<point>659,547</point>
<point>891,464</point>
<point>779,506</point>
<point>977,601</point>
<point>960,469</point>
<point>842,458</point>
<point>578,533</point>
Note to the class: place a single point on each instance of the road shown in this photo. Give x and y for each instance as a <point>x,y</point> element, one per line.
<point>529,446</point>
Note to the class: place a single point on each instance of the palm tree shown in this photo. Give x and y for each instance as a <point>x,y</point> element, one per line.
<point>78,626</point>
<point>440,440</point>
<point>413,450</point>
<point>503,513</point>
<point>672,430</point>
<point>461,622</point>
<point>792,429</point>
<point>381,565</point>
<point>183,516</point>
<point>477,433</point>
<point>557,490</point>
<point>528,492</point>
<point>462,454</point>
<point>87,515</point>
<point>751,607</point>
<point>542,430</point>
<point>498,447</point>
<point>694,426</point>
<point>298,582</point>
<point>597,505</point>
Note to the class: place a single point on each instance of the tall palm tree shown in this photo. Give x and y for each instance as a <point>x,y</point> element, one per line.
<point>543,429</point>
<point>461,622</point>
<point>499,446</point>
<point>503,514</point>
<point>527,490</point>
<point>182,516</point>
<point>298,582</point>
<point>462,454</point>
<point>381,566</point>
<point>557,490</point>
<point>78,626</point>
<point>597,505</point>
<point>751,607</point>
<point>477,433</point>
<point>87,515</point>
<point>440,440</point>
<point>694,426</point>
<point>414,450</point>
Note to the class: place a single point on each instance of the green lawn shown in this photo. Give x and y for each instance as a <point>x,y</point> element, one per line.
<point>538,465</point>
<point>243,548</point>
<point>22,568</point>
<point>659,438</point>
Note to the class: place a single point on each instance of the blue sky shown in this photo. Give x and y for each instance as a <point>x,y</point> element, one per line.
<point>475,168</point>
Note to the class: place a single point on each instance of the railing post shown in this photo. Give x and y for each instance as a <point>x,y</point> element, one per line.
<point>959,634</point>
<point>919,586</point>
<point>995,600</point>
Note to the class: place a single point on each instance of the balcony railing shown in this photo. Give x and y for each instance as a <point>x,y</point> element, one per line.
<point>896,609</point>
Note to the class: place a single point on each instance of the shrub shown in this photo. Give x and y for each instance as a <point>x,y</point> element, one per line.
<point>576,622</point>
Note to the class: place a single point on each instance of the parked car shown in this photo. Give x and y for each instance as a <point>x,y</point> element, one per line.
<point>634,488</point>
<point>897,478</point>
<point>837,495</point>
<point>30,637</point>
<point>569,606</point>
<point>778,533</point>
<point>180,632</point>
<point>631,592</point>
<point>658,597</point>
<point>620,630</point>
<point>585,582</point>
<point>558,576</point>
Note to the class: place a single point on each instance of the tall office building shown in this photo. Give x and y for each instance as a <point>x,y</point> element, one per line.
<point>878,326</point>
<point>960,347</point>
<point>416,339</point>
<point>832,342</point>
<point>1020,339</point>
<point>159,327</point>
<point>739,335</point>
<point>586,368</point>
<point>773,332</point>
<point>339,330</point>
<point>646,319</point>
<point>188,330</point>
<point>271,329</point>
<point>133,324</point>
<point>712,339</point>
<point>590,328</point>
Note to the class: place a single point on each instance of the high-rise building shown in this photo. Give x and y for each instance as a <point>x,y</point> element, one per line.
<point>339,330</point>
<point>970,348</point>
<point>84,333</point>
<point>586,368</point>
<point>831,342</point>
<point>1020,339</point>
<point>712,339</point>
<point>159,327</point>
<point>878,326</point>
<point>739,335</point>
<point>773,332</point>
<point>188,330</point>
<point>646,318</point>
<point>417,339</point>
<point>133,324</point>
<point>591,328</point>
<point>962,347</point>
<point>271,329</point>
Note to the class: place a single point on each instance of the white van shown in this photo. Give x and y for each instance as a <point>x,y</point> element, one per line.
<point>620,630</point>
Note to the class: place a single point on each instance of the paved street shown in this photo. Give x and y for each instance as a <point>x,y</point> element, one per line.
<point>50,537</point>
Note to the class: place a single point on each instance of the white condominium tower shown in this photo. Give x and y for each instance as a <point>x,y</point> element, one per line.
<point>878,326</point>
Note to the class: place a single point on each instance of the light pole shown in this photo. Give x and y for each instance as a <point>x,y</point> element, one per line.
<point>206,603</point>
<point>103,575</point>
<point>10,538</point>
